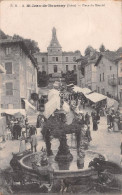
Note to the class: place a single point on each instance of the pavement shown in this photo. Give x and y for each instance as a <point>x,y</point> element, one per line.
<point>108,144</point>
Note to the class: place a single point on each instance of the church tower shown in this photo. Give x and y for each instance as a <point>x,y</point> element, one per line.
<point>54,55</point>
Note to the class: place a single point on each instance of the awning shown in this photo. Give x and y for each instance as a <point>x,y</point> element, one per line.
<point>76,89</point>
<point>81,90</point>
<point>70,85</point>
<point>13,111</point>
<point>86,91</point>
<point>53,92</point>
<point>51,106</point>
<point>112,103</point>
<point>29,104</point>
<point>96,97</point>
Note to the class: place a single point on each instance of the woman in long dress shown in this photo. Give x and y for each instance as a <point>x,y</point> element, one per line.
<point>95,123</point>
<point>22,144</point>
<point>115,126</point>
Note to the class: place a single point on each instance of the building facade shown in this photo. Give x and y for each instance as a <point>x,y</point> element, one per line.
<point>86,73</point>
<point>55,60</point>
<point>20,80</point>
<point>107,75</point>
<point>2,70</point>
<point>119,72</point>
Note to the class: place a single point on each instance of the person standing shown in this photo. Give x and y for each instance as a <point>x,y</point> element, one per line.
<point>108,118</point>
<point>33,142</point>
<point>26,126</point>
<point>22,144</point>
<point>38,123</point>
<point>111,120</point>
<point>87,119</point>
<point>83,104</point>
<point>19,127</point>
<point>95,123</point>
<point>115,124</point>
<point>88,134</point>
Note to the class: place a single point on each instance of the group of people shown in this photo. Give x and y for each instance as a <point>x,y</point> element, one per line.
<point>15,126</point>
<point>31,139</point>
<point>21,130</point>
<point>113,120</point>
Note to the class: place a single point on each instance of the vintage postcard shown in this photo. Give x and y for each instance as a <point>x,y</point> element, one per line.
<point>60,97</point>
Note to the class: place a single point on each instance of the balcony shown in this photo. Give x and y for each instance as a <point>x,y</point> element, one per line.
<point>112,81</point>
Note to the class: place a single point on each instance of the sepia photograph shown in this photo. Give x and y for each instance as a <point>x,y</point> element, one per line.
<point>60,97</point>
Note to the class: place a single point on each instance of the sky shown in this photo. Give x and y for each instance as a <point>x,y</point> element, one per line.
<point>77,27</point>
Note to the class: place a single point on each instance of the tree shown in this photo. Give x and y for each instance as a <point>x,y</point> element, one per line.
<point>88,50</point>
<point>3,35</point>
<point>43,79</point>
<point>102,48</point>
<point>30,44</point>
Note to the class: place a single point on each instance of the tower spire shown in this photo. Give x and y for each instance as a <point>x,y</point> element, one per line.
<point>54,42</point>
<point>54,33</point>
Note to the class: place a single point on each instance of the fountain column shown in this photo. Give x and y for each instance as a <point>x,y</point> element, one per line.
<point>63,153</point>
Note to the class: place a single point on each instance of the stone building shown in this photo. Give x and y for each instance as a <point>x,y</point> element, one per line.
<point>20,80</point>
<point>108,74</point>
<point>86,72</point>
<point>118,62</point>
<point>56,61</point>
<point>2,70</point>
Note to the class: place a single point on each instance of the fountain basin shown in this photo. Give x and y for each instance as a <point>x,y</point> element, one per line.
<point>63,171</point>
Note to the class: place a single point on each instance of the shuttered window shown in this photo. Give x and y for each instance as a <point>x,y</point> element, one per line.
<point>9,88</point>
<point>8,67</point>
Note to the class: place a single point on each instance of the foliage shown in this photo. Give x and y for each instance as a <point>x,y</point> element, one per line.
<point>3,35</point>
<point>88,50</point>
<point>30,44</point>
<point>34,96</point>
<point>43,79</point>
<point>70,77</point>
<point>102,48</point>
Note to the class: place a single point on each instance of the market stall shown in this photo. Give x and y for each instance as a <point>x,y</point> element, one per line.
<point>112,103</point>
<point>13,111</point>
<point>96,97</point>
<point>84,91</point>
<point>53,92</point>
<point>51,106</point>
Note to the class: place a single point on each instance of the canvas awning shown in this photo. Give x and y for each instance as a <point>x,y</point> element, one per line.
<point>86,91</point>
<point>29,104</point>
<point>112,103</point>
<point>70,85</point>
<point>13,111</point>
<point>76,89</point>
<point>53,92</point>
<point>81,90</point>
<point>96,97</point>
<point>51,106</point>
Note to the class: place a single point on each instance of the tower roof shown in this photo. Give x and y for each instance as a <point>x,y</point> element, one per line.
<point>54,42</point>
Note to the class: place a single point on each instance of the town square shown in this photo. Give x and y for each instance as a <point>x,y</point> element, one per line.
<point>60,101</point>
